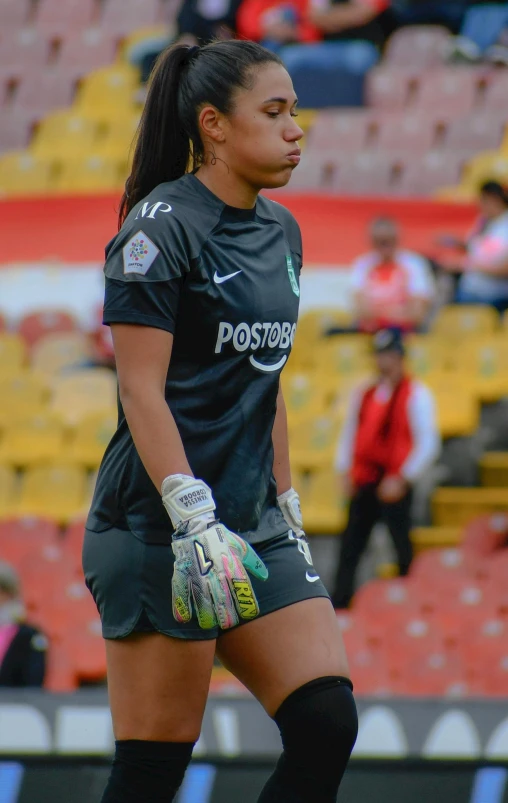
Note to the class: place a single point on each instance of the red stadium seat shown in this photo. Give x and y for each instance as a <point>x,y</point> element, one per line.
<point>73,539</point>
<point>365,174</point>
<point>438,674</point>
<point>486,664</point>
<point>476,132</point>
<point>86,51</point>
<point>36,325</point>
<point>15,130</point>
<point>21,538</point>
<point>419,46</point>
<point>69,607</point>
<point>416,636</point>
<point>121,17</point>
<point>314,174</point>
<point>23,52</point>
<point>378,596</point>
<point>431,563</point>
<point>457,625</point>
<point>425,175</point>
<point>340,131</point>
<point>452,91</point>
<point>44,573</point>
<point>483,536</point>
<point>87,652</point>
<point>14,14</point>
<point>60,674</point>
<point>496,93</point>
<point>44,91</point>
<point>413,133</point>
<point>57,17</point>
<point>391,88</point>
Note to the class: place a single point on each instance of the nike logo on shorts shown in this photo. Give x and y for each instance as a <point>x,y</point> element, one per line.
<point>220,279</point>
<point>311,577</point>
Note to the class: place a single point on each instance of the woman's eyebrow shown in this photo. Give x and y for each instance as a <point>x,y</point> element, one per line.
<point>280,100</point>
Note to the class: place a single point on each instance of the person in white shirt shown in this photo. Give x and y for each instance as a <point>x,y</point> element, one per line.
<point>392,287</point>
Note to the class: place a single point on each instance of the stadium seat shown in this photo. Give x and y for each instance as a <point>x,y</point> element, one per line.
<point>436,673</point>
<point>427,175</point>
<point>439,565</point>
<point>15,131</point>
<point>14,14</point>
<point>22,395</point>
<point>458,506</point>
<point>86,51</point>
<point>90,439</point>
<point>121,17</point>
<point>485,364</point>
<point>426,354</point>
<point>487,663</point>
<point>314,442</point>
<point>494,469</point>
<point>302,395</point>
<point>64,135</point>
<point>323,509</point>
<point>73,539</point>
<point>368,173</point>
<point>59,351</point>
<point>342,131</point>
<point>475,132</point>
<point>487,166</point>
<point>93,174</point>
<point>460,320</point>
<point>36,325</point>
<point>315,172</point>
<point>22,173</point>
<point>451,91</point>
<point>425,538</point>
<point>419,46</point>
<point>458,413</point>
<point>68,606</point>
<point>81,393</point>
<point>495,94</point>
<point>32,441</point>
<point>59,18</point>
<point>413,133</point>
<point>21,538</point>
<point>8,491</point>
<point>344,355</point>
<point>44,572</point>
<point>60,676</point>
<point>413,637</point>
<point>377,596</point>
<point>53,491</point>
<point>118,139</point>
<point>87,652</point>
<point>24,51</point>
<point>44,90</point>
<point>12,354</point>
<point>108,92</point>
<point>483,536</point>
<point>391,88</point>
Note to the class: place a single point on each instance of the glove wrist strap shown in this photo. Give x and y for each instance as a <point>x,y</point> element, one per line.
<point>289,503</point>
<point>186,498</point>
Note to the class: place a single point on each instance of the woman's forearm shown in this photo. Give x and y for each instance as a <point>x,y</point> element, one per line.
<point>281,466</point>
<point>155,434</point>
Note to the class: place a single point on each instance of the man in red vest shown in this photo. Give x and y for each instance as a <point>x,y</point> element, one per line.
<point>390,438</point>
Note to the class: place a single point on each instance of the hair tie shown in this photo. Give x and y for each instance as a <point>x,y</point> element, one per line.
<point>191,52</point>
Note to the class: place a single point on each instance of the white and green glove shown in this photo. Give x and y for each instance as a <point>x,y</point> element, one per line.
<point>289,503</point>
<point>210,560</point>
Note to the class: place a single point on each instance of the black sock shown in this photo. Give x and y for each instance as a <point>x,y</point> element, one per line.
<point>147,772</point>
<point>318,725</point>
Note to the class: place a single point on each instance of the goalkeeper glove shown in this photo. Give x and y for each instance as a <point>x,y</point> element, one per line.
<point>289,503</point>
<point>210,560</point>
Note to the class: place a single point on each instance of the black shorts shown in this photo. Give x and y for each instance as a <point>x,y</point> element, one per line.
<point>130,582</point>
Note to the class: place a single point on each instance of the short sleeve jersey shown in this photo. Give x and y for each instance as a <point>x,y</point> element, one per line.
<point>225,282</point>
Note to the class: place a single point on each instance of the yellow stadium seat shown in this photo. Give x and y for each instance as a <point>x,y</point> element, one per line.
<point>53,491</point>
<point>64,135</point>
<point>313,443</point>
<point>488,165</point>
<point>460,193</point>
<point>82,393</point>
<point>23,173</point>
<point>12,354</point>
<point>108,92</point>
<point>8,491</point>
<point>494,469</point>
<point>462,320</point>
<point>344,355</point>
<point>90,439</point>
<point>35,440</point>
<point>118,139</point>
<point>483,365</point>
<point>302,395</point>
<point>314,324</point>
<point>160,32</point>
<point>323,509</point>
<point>426,354</point>
<point>22,395</point>
<point>91,175</point>
<point>455,507</point>
<point>458,411</point>
<point>53,353</point>
<point>435,537</point>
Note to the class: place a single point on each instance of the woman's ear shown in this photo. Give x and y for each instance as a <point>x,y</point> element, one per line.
<point>211,123</point>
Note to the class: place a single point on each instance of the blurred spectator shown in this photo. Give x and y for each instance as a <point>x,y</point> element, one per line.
<point>391,287</point>
<point>484,270</point>
<point>389,440</point>
<point>201,21</point>
<point>449,13</point>
<point>483,35</point>
<point>352,31</point>
<point>22,647</point>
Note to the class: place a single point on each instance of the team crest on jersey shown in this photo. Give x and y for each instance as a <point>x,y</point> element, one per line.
<point>139,254</point>
<point>292,276</point>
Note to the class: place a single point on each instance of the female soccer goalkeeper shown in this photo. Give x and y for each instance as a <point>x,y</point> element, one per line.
<point>194,543</point>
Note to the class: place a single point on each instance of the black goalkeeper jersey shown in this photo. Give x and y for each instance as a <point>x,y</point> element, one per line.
<point>225,282</point>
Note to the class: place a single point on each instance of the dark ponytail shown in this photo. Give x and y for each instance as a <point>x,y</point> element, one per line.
<point>168,140</point>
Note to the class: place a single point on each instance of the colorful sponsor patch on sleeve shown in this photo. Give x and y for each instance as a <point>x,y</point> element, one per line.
<point>139,254</point>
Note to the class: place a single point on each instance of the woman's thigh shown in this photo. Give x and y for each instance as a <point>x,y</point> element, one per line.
<point>158,686</point>
<point>277,653</point>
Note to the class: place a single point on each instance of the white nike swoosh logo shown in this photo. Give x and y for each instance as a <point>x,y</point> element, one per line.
<point>311,577</point>
<point>274,366</point>
<point>219,279</point>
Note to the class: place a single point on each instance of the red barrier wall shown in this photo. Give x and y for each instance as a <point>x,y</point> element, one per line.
<point>77,229</point>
